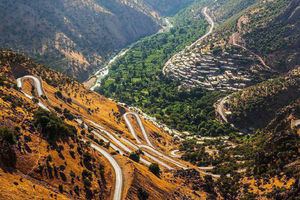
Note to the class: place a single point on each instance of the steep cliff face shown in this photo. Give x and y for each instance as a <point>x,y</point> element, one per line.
<point>72,36</point>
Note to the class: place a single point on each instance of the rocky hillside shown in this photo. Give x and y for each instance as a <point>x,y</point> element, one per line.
<point>257,105</point>
<point>168,7</point>
<point>46,142</point>
<point>73,36</point>
<point>269,29</point>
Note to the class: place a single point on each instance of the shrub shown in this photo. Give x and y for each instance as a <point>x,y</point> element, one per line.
<point>57,109</point>
<point>53,128</point>
<point>87,183</point>
<point>72,153</point>
<point>35,100</point>
<point>135,156</point>
<point>87,158</point>
<point>142,195</point>
<point>49,158</point>
<point>8,156</point>
<point>59,94</point>
<point>61,189</point>
<point>154,168</point>
<point>69,100</point>
<point>68,115</point>
<point>86,174</point>
<point>7,135</point>
<point>76,190</point>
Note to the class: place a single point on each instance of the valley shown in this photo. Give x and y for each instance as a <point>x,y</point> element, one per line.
<point>95,80</point>
<point>202,103</point>
<point>124,145</point>
<point>76,37</point>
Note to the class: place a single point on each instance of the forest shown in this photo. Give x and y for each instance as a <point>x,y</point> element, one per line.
<point>137,80</point>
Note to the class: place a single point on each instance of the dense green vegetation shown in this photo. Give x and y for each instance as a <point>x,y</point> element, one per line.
<point>7,153</point>
<point>136,79</point>
<point>52,127</point>
<point>256,106</point>
<point>271,152</point>
<point>267,39</point>
<point>154,168</point>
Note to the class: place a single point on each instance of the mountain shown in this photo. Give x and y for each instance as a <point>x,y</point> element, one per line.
<point>74,37</point>
<point>196,112</point>
<point>60,140</point>
<point>257,105</point>
<point>168,7</point>
<point>269,29</point>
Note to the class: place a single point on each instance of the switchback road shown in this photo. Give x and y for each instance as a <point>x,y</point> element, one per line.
<point>38,86</point>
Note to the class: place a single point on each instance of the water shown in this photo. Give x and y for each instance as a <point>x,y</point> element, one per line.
<point>103,71</point>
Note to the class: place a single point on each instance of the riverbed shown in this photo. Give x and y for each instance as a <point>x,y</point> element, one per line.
<point>104,70</point>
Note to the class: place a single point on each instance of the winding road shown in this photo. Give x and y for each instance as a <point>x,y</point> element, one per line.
<point>212,26</point>
<point>114,138</point>
<point>117,142</point>
<point>141,125</point>
<point>117,169</point>
<point>220,108</point>
<point>173,154</point>
<point>38,86</point>
<point>149,147</point>
<point>119,176</point>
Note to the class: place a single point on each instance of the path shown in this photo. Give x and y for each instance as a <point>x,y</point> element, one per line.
<point>140,125</point>
<point>117,169</point>
<point>38,86</point>
<point>212,26</point>
<point>234,42</point>
<point>149,147</point>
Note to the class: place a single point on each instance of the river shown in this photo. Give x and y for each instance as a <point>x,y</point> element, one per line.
<point>103,71</point>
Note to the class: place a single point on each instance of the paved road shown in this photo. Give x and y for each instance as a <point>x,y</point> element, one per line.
<point>38,86</point>
<point>141,125</point>
<point>212,26</point>
<point>116,140</point>
<point>117,169</point>
<point>206,168</point>
<point>149,147</point>
<point>220,109</point>
<point>173,154</point>
<point>174,162</point>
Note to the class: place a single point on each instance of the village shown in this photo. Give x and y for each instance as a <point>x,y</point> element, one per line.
<point>225,72</point>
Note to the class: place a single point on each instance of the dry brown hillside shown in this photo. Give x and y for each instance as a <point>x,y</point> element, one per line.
<point>58,164</point>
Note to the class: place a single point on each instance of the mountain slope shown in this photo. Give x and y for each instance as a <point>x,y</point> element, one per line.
<point>269,29</point>
<point>48,153</point>
<point>257,105</point>
<point>72,36</point>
